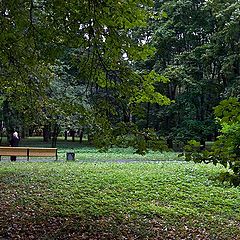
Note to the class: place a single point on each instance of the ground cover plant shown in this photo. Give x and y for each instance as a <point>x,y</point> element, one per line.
<point>86,152</point>
<point>73,200</point>
<point>117,154</point>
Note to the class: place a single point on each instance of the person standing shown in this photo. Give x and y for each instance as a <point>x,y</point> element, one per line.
<point>14,141</point>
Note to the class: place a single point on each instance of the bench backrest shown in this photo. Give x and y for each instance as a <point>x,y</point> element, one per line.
<point>42,152</point>
<point>28,152</point>
<point>10,151</point>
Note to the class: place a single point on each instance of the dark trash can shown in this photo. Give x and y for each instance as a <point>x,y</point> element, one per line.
<point>70,156</point>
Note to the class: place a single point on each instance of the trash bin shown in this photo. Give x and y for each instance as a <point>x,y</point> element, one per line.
<point>70,156</point>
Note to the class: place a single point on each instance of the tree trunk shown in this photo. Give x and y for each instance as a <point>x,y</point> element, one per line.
<point>55,133</point>
<point>65,135</point>
<point>46,133</point>
<point>81,135</point>
<point>72,134</point>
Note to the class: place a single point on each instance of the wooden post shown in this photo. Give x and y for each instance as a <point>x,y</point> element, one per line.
<point>28,154</point>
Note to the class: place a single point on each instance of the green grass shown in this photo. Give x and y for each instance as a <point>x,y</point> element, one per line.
<point>84,152</point>
<point>74,200</point>
<point>116,154</point>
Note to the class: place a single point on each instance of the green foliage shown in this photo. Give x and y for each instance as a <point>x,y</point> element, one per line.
<point>147,139</point>
<point>146,92</point>
<point>125,135</point>
<point>197,49</point>
<point>117,200</point>
<point>66,63</point>
<point>97,65</point>
<point>228,111</point>
<point>226,150</point>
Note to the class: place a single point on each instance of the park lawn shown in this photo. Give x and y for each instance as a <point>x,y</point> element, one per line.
<point>73,200</point>
<point>84,152</point>
<point>116,154</point>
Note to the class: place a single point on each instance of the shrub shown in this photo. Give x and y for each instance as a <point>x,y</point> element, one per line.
<point>226,150</point>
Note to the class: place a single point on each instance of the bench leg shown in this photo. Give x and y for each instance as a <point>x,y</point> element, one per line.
<point>28,154</point>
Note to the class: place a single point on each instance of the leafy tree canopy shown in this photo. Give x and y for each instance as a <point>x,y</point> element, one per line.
<point>93,40</point>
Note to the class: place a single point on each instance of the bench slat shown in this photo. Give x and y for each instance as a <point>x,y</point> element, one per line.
<point>28,152</point>
<point>13,152</point>
<point>42,152</point>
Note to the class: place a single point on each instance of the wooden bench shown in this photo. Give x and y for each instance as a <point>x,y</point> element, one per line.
<point>28,152</point>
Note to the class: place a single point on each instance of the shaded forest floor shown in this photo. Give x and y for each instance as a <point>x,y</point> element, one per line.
<point>68,200</point>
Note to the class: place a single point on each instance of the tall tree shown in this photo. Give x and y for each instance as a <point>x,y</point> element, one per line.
<point>94,38</point>
<point>193,41</point>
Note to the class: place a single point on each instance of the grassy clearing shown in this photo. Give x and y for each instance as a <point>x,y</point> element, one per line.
<point>90,154</point>
<point>72,200</point>
<point>116,154</point>
<point>83,152</point>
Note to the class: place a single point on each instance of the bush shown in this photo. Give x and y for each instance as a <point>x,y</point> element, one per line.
<point>226,150</point>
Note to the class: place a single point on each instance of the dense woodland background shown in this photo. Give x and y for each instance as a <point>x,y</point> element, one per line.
<point>137,72</point>
<point>143,74</point>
